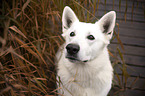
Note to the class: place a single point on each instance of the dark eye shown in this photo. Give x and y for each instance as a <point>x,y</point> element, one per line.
<point>72,34</point>
<point>91,37</point>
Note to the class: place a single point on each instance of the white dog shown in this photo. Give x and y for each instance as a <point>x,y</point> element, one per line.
<point>84,67</point>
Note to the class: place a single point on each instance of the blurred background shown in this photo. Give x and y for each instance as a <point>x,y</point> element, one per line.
<point>30,35</point>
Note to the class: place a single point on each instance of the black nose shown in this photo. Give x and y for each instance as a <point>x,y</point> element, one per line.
<point>72,49</point>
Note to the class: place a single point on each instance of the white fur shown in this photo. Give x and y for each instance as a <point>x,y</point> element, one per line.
<point>92,78</point>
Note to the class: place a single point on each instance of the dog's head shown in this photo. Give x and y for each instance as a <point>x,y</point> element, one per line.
<point>85,41</point>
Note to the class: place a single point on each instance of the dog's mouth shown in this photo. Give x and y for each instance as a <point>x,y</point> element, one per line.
<point>74,59</point>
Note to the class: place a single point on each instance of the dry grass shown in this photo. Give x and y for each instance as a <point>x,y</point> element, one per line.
<point>31,36</point>
<point>29,39</point>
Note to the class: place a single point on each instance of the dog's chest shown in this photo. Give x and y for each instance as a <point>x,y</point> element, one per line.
<point>83,80</point>
<point>84,76</point>
<point>87,79</point>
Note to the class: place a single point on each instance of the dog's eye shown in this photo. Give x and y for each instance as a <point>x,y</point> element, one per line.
<point>91,37</point>
<point>72,34</point>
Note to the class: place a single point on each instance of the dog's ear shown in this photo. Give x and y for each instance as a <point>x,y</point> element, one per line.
<point>68,18</point>
<point>107,23</point>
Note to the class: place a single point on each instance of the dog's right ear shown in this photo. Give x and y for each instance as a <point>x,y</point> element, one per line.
<point>107,23</point>
<point>68,18</point>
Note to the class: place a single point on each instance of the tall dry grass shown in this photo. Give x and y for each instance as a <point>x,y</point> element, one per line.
<point>30,37</point>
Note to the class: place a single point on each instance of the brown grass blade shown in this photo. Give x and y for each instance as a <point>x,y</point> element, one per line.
<point>14,28</point>
<point>25,46</point>
<point>25,5</point>
<point>85,9</point>
<point>40,84</point>
<point>11,50</point>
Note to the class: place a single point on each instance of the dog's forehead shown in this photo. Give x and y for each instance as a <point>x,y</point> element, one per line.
<point>86,28</point>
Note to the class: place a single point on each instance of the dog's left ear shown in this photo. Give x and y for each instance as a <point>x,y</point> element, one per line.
<point>107,23</point>
<point>68,18</point>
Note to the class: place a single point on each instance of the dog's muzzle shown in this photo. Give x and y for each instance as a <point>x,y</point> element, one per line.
<point>72,49</point>
<point>72,53</point>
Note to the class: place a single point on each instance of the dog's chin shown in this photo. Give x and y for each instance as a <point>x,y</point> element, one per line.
<point>75,60</point>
